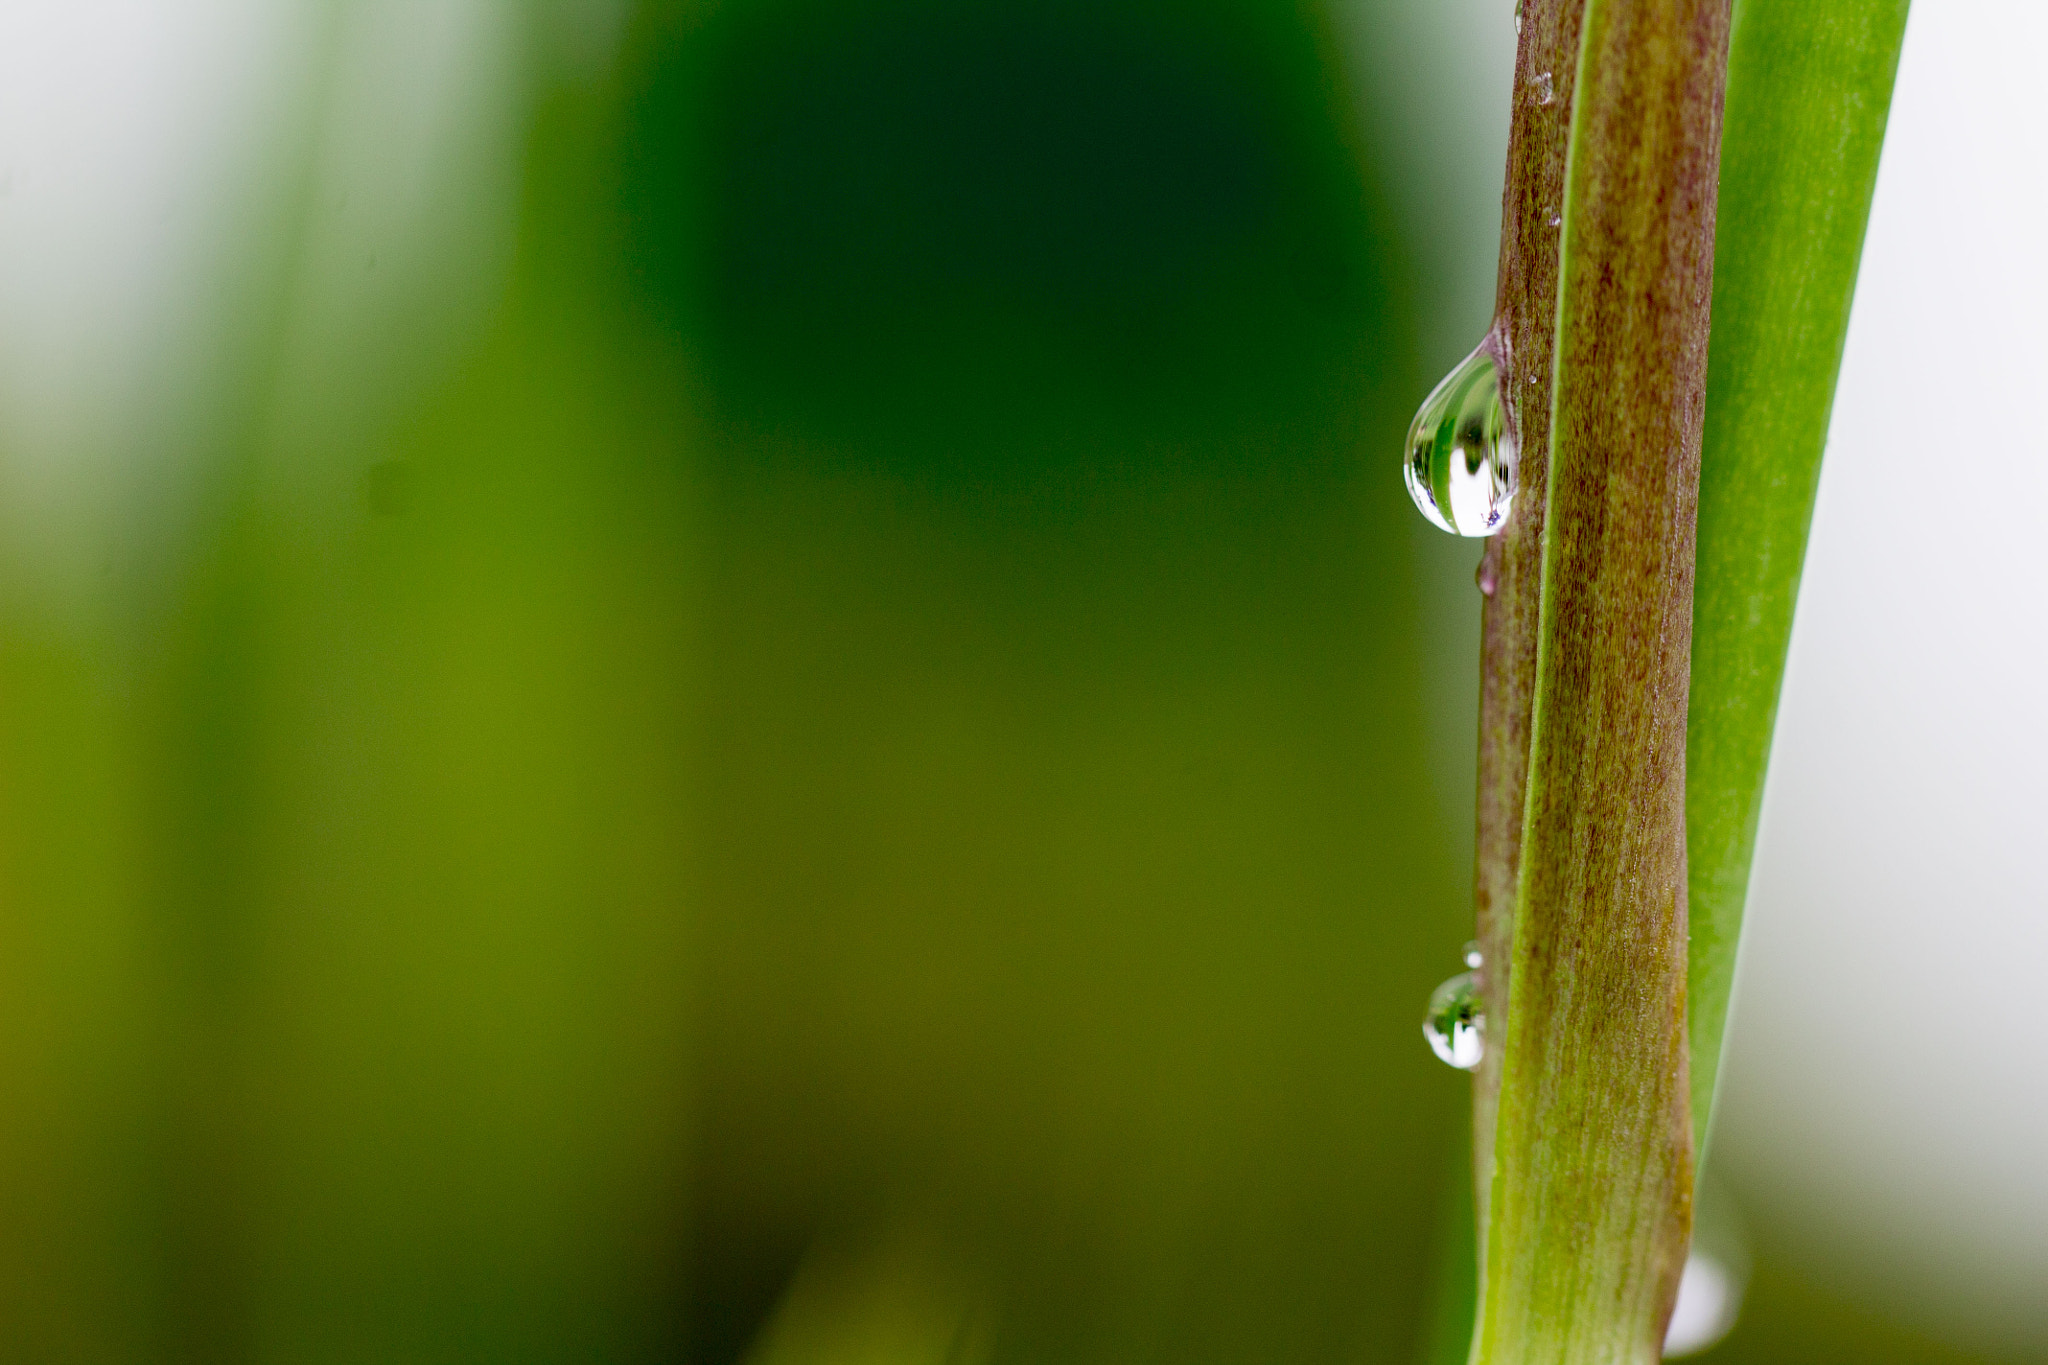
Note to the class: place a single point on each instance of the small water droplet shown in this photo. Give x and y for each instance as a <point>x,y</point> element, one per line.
<point>1545,93</point>
<point>1473,957</point>
<point>1485,577</point>
<point>1553,217</point>
<point>1518,17</point>
<point>1461,456</point>
<point>1456,1023</point>
<point>1709,1300</point>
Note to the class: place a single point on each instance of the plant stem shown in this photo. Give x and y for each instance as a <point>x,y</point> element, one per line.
<point>1523,341</point>
<point>1583,1136</point>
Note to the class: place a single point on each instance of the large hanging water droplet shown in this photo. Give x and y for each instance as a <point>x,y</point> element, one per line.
<point>1456,1022</point>
<point>1461,456</point>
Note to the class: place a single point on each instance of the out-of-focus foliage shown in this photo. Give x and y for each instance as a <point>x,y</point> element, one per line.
<point>823,757</point>
<point>1065,884</point>
<point>872,702</point>
<point>347,828</point>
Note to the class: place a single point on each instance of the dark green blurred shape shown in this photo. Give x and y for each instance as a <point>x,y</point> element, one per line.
<point>1070,882</point>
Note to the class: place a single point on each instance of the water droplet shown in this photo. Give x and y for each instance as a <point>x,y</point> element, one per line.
<point>1461,455</point>
<point>1456,1023</point>
<point>1518,17</point>
<point>1553,217</point>
<point>1545,93</point>
<point>1473,958</point>
<point>1487,579</point>
<point>1710,1292</point>
<point>1709,1299</point>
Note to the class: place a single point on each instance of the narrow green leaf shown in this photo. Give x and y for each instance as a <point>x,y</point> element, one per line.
<point>1809,87</point>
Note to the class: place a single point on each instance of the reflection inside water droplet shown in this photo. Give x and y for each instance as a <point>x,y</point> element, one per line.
<point>1456,1023</point>
<point>1461,457</point>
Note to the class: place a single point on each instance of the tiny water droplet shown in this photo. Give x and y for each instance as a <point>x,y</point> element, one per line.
<point>1456,1023</point>
<point>1545,93</point>
<point>1484,576</point>
<point>1553,217</point>
<point>1461,456</point>
<point>1473,957</point>
<point>1518,17</point>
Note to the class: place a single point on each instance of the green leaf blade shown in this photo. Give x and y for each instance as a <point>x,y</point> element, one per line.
<point>1809,88</point>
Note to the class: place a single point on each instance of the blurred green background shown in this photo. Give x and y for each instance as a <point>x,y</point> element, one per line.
<point>748,682</point>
